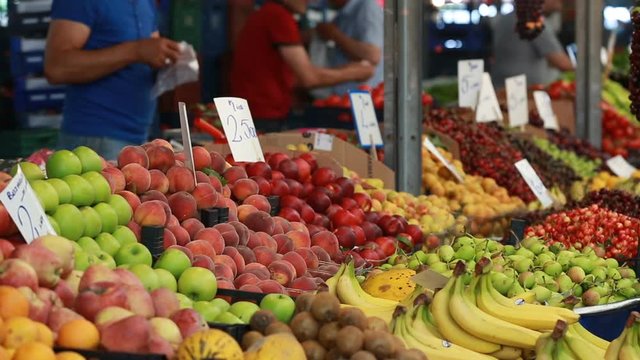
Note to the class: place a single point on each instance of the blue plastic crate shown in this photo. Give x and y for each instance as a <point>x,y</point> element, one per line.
<point>34,94</point>
<point>28,17</point>
<point>27,56</point>
<point>607,321</point>
<point>214,27</point>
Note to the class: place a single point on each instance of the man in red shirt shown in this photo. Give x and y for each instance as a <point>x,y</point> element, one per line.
<point>270,61</point>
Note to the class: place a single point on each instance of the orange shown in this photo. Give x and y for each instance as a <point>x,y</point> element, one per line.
<point>79,334</point>
<point>12,303</point>
<point>4,354</point>
<point>45,335</point>
<point>34,350</point>
<point>69,355</point>
<point>18,331</point>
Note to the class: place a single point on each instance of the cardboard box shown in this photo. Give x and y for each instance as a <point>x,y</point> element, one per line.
<point>564,109</point>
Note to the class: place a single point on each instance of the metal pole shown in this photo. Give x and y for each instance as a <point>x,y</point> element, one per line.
<point>390,83</point>
<point>589,20</point>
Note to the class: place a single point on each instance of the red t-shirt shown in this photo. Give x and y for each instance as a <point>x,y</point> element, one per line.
<point>259,73</point>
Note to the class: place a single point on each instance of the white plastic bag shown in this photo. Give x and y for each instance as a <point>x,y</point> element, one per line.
<point>185,70</point>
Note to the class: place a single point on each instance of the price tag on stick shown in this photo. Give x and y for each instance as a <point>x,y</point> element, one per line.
<point>543,104</point>
<point>621,167</point>
<point>186,138</point>
<point>488,108</point>
<point>364,115</point>
<point>24,208</point>
<point>239,129</point>
<point>434,150</point>
<point>517,100</point>
<point>469,82</point>
<point>535,184</point>
<point>322,142</point>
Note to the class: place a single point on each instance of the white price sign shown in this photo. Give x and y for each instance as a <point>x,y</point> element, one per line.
<point>24,208</point>
<point>533,181</point>
<point>517,100</point>
<point>488,108</point>
<point>322,142</point>
<point>545,110</point>
<point>621,167</point>
<point>239,129</point>
<point>434,150</point>
<point>469,82</point>
<point>365,118</point>
<point>186,138</point>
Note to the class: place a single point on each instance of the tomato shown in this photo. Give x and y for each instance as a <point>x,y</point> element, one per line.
<point>333,101</point>
<point>364,87</point>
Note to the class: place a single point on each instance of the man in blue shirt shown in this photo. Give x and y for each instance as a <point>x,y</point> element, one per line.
<point>358,33</point>
<point>106,51</point>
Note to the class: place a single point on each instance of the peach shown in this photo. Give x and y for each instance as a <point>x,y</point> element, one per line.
<point>237,258</point>
<point>346,236</point>
<point>161,158</point>
<point>298,226</point>
<point>204,262</point>
<point>180,158</point>
<point>321,253</point>
<point>295,188</point>
<point>183,205</point>
<point>290,201</point>
<point>279,187</point>
<point>250,288</point>
<point>137,178</point>
<point>257,269</point>
<point>213,237</point>
<point>264,255</point>
<point>172,221</point>
<point>328,241</point>
<point>255,240</point>
<point>218,162</point>
<point>233,209</point>
<point>225,284</point>
<point>186,251</point>
<point>201,247</point>
<point>206,195</point>
<point>323,176</point>
<point>169,239</point>
<point>165,302</point>
<point>132,199</point>
<point>150,213</point>
<point>180,179</point>
<point>234,174</point>
<point>133,155</point>
<point>226,191</point>
<point>242,230</point>
<point>180,234</point>
<point>259,168</point>
<point>215,182</point>
<point>304,169</point>
<point>223,271</point>
<point>159,181</point>
<point>285,244</point>
<point>260,221</point>
<point>305,283</point>
<point>115,178</point>
<point>229,234</point>
<point>247,254</point>
<point>300,239</point>
<point>153,195</point>
<point>310,258</point>
<point>269,241</point>
<point>260,202</point>
<point>201,158</point>
<point>245,279</point>
<point>276,158</point>
<point>244,211</point>
<point>290,214</point>
<point>283,223</point>
<point>157,142</point>
<point>243,188</point>
<point>189,322</point>
<point>135,228</point>
<point>264,186</point>
<point>297,261</point>
<point>202,178</point>
<point>271,287</point>
<point>282,271</point>
<point>192,226</point>
<point>227,260</point>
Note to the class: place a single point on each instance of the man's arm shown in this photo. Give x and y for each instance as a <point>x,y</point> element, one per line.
<point>354,49</point>
<point>67,63</point>
<point>310,76</point>
<point>560,61</point>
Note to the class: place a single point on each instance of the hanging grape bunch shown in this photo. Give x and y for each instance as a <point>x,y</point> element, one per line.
<point>634,60</point>
<point>529,18</point>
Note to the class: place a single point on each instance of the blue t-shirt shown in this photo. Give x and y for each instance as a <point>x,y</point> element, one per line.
<point>362,20</point>
<point>119,105</point>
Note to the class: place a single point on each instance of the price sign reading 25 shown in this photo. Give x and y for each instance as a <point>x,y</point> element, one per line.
<point>239,129</point>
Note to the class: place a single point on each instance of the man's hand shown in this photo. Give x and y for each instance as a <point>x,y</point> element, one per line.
<point>327,31</point>
<point>158,52</point>
<point>361,71</point>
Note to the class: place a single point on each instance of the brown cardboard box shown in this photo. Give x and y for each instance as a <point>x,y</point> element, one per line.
<point>563,108</point>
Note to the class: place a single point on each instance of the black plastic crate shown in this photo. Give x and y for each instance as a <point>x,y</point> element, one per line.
<point>29,17</point>
<point>107,355</point>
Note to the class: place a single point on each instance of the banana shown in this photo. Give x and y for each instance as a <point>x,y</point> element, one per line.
<point>350,292</point>
<point>507,353</point>
<point>529,297</point>
<point>333,281</point>
<point>630,349</point>
<point>475,321</point>
<point>423,326</point>
<point>545,347</point>
<point>583,349</point>
<point>613,350</point>
<point>450,329</point>
<point>579,330</point>
<point>563,351</point>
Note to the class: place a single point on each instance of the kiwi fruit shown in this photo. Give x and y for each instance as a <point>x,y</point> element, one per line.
<point>363,355</point>
<point>411,354</point>
<point>250,338</point>
<point>400,346</point>
<point>352,316</point>
<point>376,323</point>
<point>261,319</point>
<point>349,340</point>
<point>334,354</point>
<point>313,350</point>
<point>303,302</point>
<point>325,307</point>
<point>304,326</point>
<point>379,343</point>
<point>277,327</point>
<point>328,333</point>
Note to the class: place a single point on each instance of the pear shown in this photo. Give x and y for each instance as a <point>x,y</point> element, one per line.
<point>613,273</point>
<point>541,259</point>
<point>523,265</point>
<point>576,274</point>
<point>465,252</point>
<point>577,290</point>
<point>525,252</point>
<point>446,252</point>
<point>627,273</point>
<point>583,262</point>
<point>564,283</point>
<point>515,290</point>
<point>612,263</point>
<point>464,241</point>
<point>429,259</point>
<point>600,273</point>
<point>542,293</point>
<point>501,282</point>
<point>552,268</point>
<point>527,280</point>
<point>509,250</point>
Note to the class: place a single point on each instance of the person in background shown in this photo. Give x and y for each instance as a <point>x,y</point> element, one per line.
<point>270,61</point>
<point>532,58</point>
<point>358,34</point>
<point>106,52</point>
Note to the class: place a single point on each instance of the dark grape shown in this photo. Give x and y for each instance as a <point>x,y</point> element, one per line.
<point>634,61</point>
<point>530,22</point>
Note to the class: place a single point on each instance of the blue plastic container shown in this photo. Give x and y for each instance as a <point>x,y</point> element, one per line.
<point>34,94</point>
<point>607,321</point>
<point>27,56</point>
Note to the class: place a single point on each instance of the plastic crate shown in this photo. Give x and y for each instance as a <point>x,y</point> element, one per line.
<point>28,17</point>
<point>214,27</point>
<point>34,94</point>
<point>187,22</point>
<point>607,321</point>
<point>22,143</point>
<point>27,56</point>
<point>39,120</point>
<point>107,355</point>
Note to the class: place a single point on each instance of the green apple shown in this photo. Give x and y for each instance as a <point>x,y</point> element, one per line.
<point>100,186</point>
<point>198,284</point>
<point>92,221</point>
<point>54,224</point>
<point>282,306</point>
<point>173,260</point>
<point>122,209</point>
<point>123,266</point>
<point>221,304</point>
<point>62,163</point>
<point>88,245</point>
<point>89,159</point>
<point>46,194</point>
<point>244,310</point>
<point>133,254</point>
<point>228,319</point>
<point>147,276</point>
<point>30,170</point>
<point>105,259</point>
<point>207,310</point>
<point>108,243</point>
<point>124,235</point>
<point>62,189</point>
<point>75,246</point>
<point>82,193</point>
<point>166,279</point>
<point>108,216</point>
<point>185,302</point>
<point>83,260</point>
<point>70,221</point>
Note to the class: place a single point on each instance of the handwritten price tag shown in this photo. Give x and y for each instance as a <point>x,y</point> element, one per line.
<point>364,115</point>
<point>543,104</point>
<point>186,138</point>
<point>517,100</point>
<point>322,142</point>
<point>434,150</point>
<point>469,82</point>
<point>488,108</point>
<point>24,208</point>
<point>621,167</point>
<point>535,184</point>
<point>239,129</point>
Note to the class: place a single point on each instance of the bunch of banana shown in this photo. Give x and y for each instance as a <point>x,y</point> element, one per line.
<point>347,288</point>
<point>564,343</point>
<point>627,345</point>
